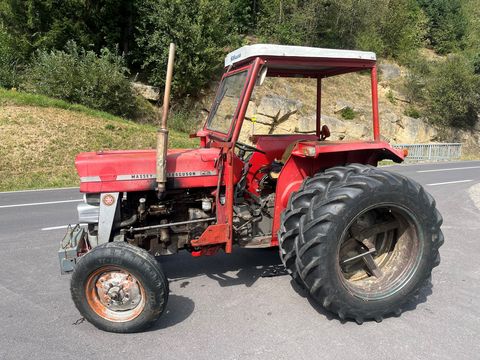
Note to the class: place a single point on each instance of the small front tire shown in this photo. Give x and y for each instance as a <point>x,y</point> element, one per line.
<point>119,288</point>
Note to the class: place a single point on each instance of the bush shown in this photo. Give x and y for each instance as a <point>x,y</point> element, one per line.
<point>391,97</point>
<point>388,27</point>
<point>348,113</point>
<point>452,93</point>
<point>447,24</point>
<point>403,28</point>
<point>82,77</point>
<point>412,112</point>
<point>8,61</point>
<point>419,70</point>
<point>182,120</point>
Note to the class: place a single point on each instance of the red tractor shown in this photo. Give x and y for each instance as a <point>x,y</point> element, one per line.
<point>361,240</point>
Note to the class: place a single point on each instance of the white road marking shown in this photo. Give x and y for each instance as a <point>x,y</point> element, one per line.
<point>40,203</point>
<point>58,227</point>
<point>449,169</point>
<point>449,182</point>
<point>33,190</point>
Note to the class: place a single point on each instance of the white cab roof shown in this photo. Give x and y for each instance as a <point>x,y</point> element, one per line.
<point>270,50</point>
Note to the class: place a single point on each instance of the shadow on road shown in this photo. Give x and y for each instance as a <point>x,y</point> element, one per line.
<point>178,309</point>
<point>242,267</point>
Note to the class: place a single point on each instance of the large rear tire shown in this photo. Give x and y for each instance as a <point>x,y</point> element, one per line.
<point>298,206</point>
<point>119,288</point>
<point>367,241</point>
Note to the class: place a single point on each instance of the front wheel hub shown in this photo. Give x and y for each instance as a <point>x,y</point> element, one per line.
<point>115,294</point>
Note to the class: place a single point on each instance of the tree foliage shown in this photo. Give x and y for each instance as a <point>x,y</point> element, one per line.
<point>389,27</point>
<point>453,93</point>
<point>50,24</point>
<point>205,30</point>
<point>448,90</point>
<point>8,60</point>
<point>200,29</point>
<point>447,24</point>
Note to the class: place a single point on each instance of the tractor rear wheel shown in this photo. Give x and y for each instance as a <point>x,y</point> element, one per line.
<point>298,206</point>
<point>119,288</point>
<point>367,241</point>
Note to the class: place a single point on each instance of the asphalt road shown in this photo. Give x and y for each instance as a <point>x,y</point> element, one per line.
<point>223,307</point>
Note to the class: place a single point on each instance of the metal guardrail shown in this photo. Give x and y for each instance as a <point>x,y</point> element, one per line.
<point>431,152</point>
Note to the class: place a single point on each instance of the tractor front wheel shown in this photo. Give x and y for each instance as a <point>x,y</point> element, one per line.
<point>119,288</point>
<point>366,242</point>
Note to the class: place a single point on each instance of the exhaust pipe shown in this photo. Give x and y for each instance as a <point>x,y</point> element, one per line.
<point>162,133</point>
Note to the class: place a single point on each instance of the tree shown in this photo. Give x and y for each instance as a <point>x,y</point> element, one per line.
<point>447,24</point>
<point>50,24</point>
<point>9,60</point>
<point>452,93</point>
<point>201,30</point>
<point>403,28</point>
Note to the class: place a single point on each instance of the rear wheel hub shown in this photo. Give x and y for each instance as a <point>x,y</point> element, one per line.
<point>379,252</point>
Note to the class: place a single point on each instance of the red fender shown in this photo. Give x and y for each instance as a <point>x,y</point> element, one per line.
<point>310,157</point>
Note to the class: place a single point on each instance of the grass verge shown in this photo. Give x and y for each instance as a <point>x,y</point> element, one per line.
<point>40,137</point>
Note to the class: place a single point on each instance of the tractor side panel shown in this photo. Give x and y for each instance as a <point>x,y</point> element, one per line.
<point>134,170</point>
<point>299,166</point>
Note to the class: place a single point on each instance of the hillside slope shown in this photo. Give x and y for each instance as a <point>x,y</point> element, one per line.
<point>38,144</point>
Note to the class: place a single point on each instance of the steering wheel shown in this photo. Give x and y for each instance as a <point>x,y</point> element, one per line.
<point>245,148</point>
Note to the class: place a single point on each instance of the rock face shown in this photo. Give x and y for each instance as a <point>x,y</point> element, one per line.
<point>342,105</point>
<point>275,109</point>
<point>389,71</point>
<point>406,129</point>
<point>151,93</point>
<point>338,128</point>
<point>273,115</point>
<point>279,115</point>
<point>278,108</point>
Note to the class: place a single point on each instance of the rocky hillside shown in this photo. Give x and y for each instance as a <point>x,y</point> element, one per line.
<point>288,105</point>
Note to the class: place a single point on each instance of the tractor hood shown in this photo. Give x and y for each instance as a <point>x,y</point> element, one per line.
<point>134,170</point>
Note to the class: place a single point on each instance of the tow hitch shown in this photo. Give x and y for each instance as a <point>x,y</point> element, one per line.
<point>74,241</point>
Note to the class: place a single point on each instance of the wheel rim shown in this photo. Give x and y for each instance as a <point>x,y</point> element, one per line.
<point>115,294</point>
<point>379,251</point>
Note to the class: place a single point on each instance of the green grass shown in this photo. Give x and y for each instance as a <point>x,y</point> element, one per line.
<point>40,137</point>
<point>10,97</point>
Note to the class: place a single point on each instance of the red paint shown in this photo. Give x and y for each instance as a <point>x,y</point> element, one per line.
<point>327,154</point>
<point>229,191</point>
<point>221,136</point>
<point>246,97</point>
<point>274,146</point>
<point>110,164</point>
<point>207,251</point>
<point>214,234</point>
<point>202,135</point>
<point>376,121</point>
<point>318,120</point>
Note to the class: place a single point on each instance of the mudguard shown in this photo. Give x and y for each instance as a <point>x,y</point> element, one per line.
<point>309,157</point>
